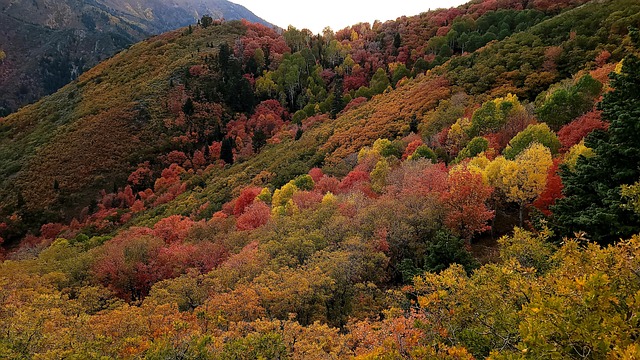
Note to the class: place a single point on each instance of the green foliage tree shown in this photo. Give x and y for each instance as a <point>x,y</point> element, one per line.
<point>494,114</point>
<point>387,148</point>
<point>424,152</point>
<point>508,311</point>
<point>593,200</point>
<point>540,133</point>
<point>399,72</point>
<point>296,39</point>
<point>631,193</point>
<point>282,196</point>
<point>397,40</point>
<point>364,91</point>
<point>298,116</point>
<point>530,250</point>
<point>256,346</point>
<point>188,107</point>
<point>258,140</point>
<point>379,82</point>
<point>476,146</point>
<point>206,21</point>
<point>419,67</point>
<point>304,182</point>
<point>444,250</point>
<point>564,105</point>
<point>291,77</point>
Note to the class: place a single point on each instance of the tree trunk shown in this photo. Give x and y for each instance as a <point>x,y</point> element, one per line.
<point>521,214</point>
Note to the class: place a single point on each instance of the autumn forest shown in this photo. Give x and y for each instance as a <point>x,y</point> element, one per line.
<point>461,184</point>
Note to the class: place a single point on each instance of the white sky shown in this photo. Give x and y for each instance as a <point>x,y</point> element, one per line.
<point>338,14</point>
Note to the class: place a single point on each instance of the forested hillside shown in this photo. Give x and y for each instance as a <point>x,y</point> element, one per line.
<point>46,44</point>
<point>460,184</point>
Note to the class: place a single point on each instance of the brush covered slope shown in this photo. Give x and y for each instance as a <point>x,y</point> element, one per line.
<point>47,44</point>
<point>265,195</point>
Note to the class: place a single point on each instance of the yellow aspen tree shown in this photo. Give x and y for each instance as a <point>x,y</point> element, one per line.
<point>524,178</point>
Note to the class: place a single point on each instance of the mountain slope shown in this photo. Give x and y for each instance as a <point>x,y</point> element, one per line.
<point>50,143</point>
<point>49,43</point>
<point>251,194</point>
<point>82,142</point>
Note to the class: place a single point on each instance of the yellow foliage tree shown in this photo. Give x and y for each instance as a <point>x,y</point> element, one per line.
<point>577,150</point>
<point>478,165</point>
<point>631,193</point>
<point>457,137</point>
<point>379,175</point>
<point>523,179</point>
<point>282,196</point>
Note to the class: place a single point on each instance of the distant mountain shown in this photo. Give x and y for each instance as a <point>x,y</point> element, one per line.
<point>48,43</point>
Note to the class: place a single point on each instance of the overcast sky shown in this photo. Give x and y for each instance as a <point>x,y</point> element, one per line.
<point>315,15</point>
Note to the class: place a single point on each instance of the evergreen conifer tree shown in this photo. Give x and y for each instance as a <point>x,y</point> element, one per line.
<point>593,202</point>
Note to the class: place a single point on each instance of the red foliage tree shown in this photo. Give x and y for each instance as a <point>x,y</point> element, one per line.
<point>127,265</point>
<point>306,199</point>
<point>198,160</point>
<point>465,204</point>
<point>169,185</point>
<point>327,184</point>
<point>355,80</point>
<point>269,117</point>
<point>137,206</point>
<point>173,229</point>
<point>255,216</point>
<point>316,174</point>
<point>411,148</point>
<point>262,37</point>
<point>3,227</point>
<point>214,150</point>
<point>355,103</point>
<point>134,260</point>
<point>354,177</point>
<point>127,197</point>
<point>176,259</point>
<point>175,156</point>
<point>141,178</point>
<point>603,58</point>
<point>245,199</point>
<point>553,190</point>
<point>575,131</point>
<point>50,231</point>
<point>429,180</point>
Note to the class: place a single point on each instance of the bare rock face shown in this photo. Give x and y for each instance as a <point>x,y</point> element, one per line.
<point>45,44</point>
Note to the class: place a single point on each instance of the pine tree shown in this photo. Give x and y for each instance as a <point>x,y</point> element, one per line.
<point>338,104</point>
<point>259,140</point>
<point>413,124</point>
<point>226,150</point>
<point>188,108</point>
<point>593,201</point>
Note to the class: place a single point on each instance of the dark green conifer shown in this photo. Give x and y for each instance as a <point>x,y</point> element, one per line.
<point>593,202</point>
